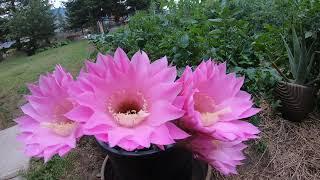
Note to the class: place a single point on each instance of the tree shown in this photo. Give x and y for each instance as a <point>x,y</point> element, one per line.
<point>7,8</point>
<point>34,22</point>
<point>60,19</point>
<point>86,13</point>
<point>135,5</point>
<point>119,9</point>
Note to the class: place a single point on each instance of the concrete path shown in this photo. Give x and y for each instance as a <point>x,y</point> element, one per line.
<point>12,159</point>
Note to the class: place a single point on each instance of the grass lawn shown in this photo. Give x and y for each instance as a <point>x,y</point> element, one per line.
<point>19,69</point>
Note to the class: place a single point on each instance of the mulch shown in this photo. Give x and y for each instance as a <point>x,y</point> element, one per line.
<point>292,149</point>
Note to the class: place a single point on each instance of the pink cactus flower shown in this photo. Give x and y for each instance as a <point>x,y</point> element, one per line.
<point>132,101</point>
<point>215,105</point>
<point>223,156</point>
<point>45,129</point>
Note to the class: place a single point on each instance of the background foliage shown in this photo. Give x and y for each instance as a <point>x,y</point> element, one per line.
<point>247,34</point>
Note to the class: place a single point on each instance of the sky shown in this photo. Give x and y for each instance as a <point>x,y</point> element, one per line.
<point>57,3</point>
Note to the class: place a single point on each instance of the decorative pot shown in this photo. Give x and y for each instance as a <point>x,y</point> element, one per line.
<point>296,100</point>
<point>173,163</point>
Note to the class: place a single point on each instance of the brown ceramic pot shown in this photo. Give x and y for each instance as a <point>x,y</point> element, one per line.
<point>296,100</point>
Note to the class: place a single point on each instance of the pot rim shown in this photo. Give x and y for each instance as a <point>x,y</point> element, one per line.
<point>123,152</point>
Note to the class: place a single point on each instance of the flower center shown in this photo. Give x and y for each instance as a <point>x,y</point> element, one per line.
<point>210,118</point>
<point>207,108</point>
<point>203,102</point>
<point>128,109</point>
<point>61,125</point>
<point>64,128</point>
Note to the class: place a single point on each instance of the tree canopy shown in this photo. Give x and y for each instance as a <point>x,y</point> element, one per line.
<point>34,22</point>
<point>86,13</point>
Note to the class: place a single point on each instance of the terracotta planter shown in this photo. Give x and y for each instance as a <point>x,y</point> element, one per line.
<point>296,100</point>
<point>174,163</point>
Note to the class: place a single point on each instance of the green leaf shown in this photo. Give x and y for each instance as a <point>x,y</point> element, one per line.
<point>218,20</point>
<point>296,46</point>
<point>291,58</point>
<point>307,34</point>
<point>310,63</point>
<point>184,41</point>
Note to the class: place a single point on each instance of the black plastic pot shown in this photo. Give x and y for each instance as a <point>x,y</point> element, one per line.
<point>174,163</point>
<point>296,100</point>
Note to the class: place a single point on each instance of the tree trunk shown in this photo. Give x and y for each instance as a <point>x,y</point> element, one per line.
<point>1,56</point>
<point>82,30</point>
<point>18,44</point>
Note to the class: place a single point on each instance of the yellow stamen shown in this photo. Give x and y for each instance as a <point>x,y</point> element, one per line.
<point>130,119</point>
<point>129,112</point>
<point>209,118</point>
<point>215,142</point>
<point>60,128</point>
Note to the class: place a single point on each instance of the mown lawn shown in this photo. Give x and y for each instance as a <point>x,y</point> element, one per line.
<point>19,69</point>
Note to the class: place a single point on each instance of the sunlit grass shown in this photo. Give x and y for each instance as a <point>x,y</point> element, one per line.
<point>18,70</point>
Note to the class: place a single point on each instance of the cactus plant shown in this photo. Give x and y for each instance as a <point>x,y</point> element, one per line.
<point>301,59</point>
<point>297,97</point>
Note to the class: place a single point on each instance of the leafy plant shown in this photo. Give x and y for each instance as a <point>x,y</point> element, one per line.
<point>259,81</point>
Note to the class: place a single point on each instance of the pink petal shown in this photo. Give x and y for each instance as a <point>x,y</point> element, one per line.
<point>175,132</point>
<point>99,118</point>
<point>117,134</point>
<point>159,65</point>
<point>121,59</point>
<point>35,90</point>
<point>142,136</point>
<point>161,136</point>
<point>249,113</point>
<point>79,114</point>
<point>27,124</point>
<point>162,111</point>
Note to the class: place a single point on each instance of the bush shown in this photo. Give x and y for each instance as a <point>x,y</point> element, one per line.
<point>54,45</point>
<point>246,34</point>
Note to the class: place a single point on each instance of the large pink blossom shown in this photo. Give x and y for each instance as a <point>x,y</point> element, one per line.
<point>45,130</point>
<point>223,156</point>
<point>132,101</point>
<point>215,105</point>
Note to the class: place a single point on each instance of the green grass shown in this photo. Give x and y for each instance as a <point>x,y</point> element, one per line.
<point>52,170</point>
<point>18,70</point>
